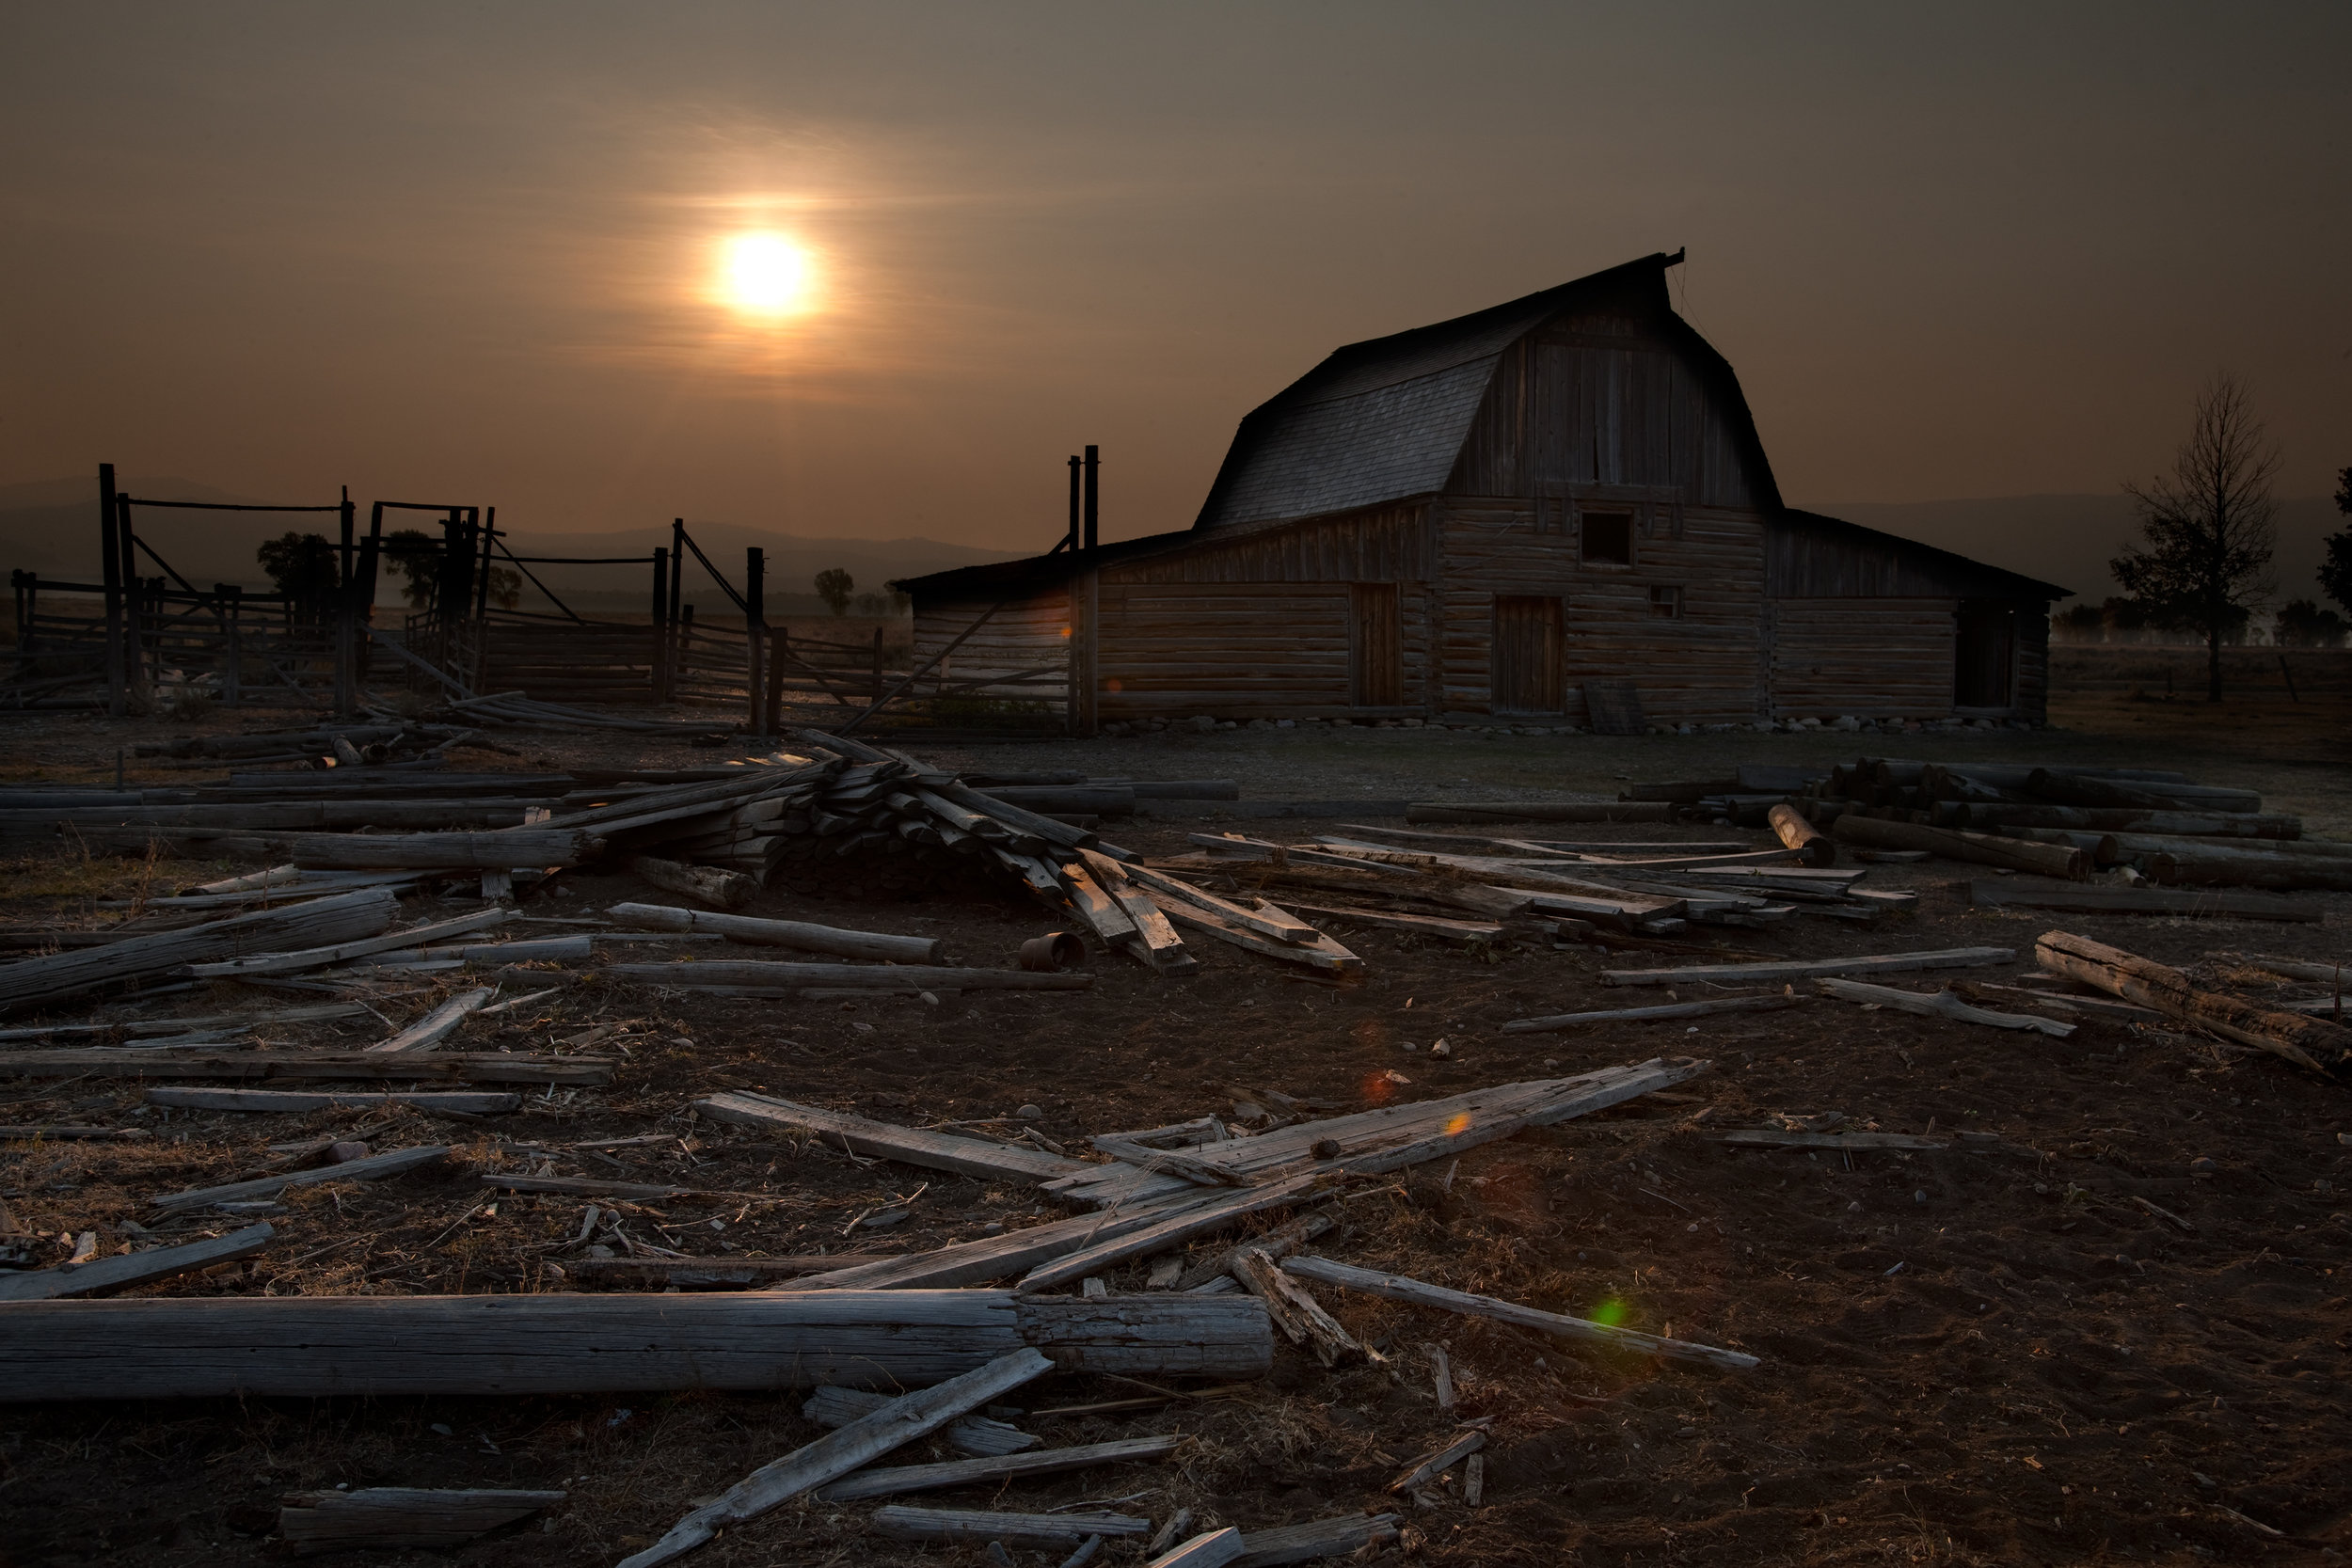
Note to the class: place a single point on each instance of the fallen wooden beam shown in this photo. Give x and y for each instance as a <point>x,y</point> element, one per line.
<point>909,1144</point>
<point>1019,1467</point>
<point>841,1451</point>
<point>977,1435</point>
<point>1001,1257</point>
<point>1540,811</point>
<point>319,958</point>
<point>1213,1215</point>
<point>209,1347</point>
<point>1665,1011</point>
<point>1014,1529</point>
<point>1276,1243</point>
<point>1809,969</point>
<point>434,1027</point>
<point>1462,934</point>
<point>1415,1293</point>
<point>1774,1137</point>
<point>720,890</point>
<point>373,1168</point>
<point>62,976</point>
<point>227,1023</point>
<point>499,850</point>
<point>799,934</point>
<point>2017,854</point>
<point>1209,1549</point>
<point>724,1272</point>
<point>2234,867</point>
<point>736,971</point>
<point>2213,904</point>
<point>1342,1536</point>
<point>1294,1309</point>
<point>1430,1467</point>
<point>469,1102</point>
<point>488,1066</point>
<point>397,1518</point>
<point>1322,953</point>
<point>2299,1039</point>
<point>1943,1004</point>
<point>107,1274</point>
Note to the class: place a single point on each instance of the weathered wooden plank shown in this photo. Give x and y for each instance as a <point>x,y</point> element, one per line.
<point>1941,1005</point>
<point>736,971</point>
<point>2210,903</point>
<point>434,1027</point>
<point>372,1167</point>
<point>977,1435</point>
<point>471,1067</point>
<point>799,934</point>
<point>912,1146</point>
<point>1019,1467</point>
<point>1014,1529</point>
<point>395,1518</point>
<point>1671,1010</point>
<point>1342,1536</point>
<point>1419,1293</point>
<point>107,1275</point>
<point>1807,969</point>
<point>319,958</point>
<point>470,1102</point>
<point>841,1451</point>
<point>206,1347</point>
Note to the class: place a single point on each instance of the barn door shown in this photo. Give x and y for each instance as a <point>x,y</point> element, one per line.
<point>1376,646</point>
<point>1527,654</point>
<point>1986,648</point>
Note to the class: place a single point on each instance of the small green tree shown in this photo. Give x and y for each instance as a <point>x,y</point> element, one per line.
<point>834,586</point>
<point>2209,527</point>
<point>2335,567</point>
<point>302,565</point>
<point>415,555</point>
<point>505,587</point>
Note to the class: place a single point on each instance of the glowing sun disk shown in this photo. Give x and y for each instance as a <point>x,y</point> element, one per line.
<point>767,273</point>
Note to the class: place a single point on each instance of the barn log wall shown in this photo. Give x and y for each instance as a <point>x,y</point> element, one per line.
<point>1870,657</point>
<point>1029,633</point>
<point>1697,668</point>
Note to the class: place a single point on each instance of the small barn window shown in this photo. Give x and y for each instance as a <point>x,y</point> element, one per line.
<point>1608,538</point>
<point>1667,603</point>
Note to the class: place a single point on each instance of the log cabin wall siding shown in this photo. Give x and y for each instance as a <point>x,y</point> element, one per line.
<point>1028,634</point>
<point>1872,657</point>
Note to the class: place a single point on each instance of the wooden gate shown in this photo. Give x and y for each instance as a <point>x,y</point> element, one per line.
<point>1528,654</point>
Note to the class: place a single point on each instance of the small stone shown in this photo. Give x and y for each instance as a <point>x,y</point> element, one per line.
<point>1920,1195</point>
<point>1031,1113</point>
<point>1442,1049</point>
<point>2204,1168</point>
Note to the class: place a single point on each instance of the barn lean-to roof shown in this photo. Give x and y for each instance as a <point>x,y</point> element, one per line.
<point>1385,421</point>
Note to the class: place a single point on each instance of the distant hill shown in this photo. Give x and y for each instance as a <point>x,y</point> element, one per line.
<point>51,528</point>
<point>2069,540</point>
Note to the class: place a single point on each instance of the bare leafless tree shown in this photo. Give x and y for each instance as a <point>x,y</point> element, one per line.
<point>2209,527</point>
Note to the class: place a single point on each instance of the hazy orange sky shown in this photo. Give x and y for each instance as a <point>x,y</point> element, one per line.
<point>470,252</point>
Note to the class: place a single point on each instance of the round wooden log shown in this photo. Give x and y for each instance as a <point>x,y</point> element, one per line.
<point>1793,830</point>
<point>704,884</point>
<point>2299,1039</point>
<point>2050,860</point>
<point>207,1347</point>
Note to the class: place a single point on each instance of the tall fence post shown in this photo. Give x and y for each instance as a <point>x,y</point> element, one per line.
<point>755,632</point>
<point>232,643</point>
<point>661,625</point>
<point>678,591</point>
<point>126,551</point>
<point>779,649</point>
<point>110,557</point>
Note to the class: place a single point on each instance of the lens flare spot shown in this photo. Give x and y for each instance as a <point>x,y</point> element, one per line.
<point>1377,1088</point>
<point>1459,1124</point>
<point>1611,1313</point>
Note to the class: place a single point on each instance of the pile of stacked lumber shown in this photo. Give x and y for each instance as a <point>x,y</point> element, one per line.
<point>2161,827</point>
<point>1586,891</point>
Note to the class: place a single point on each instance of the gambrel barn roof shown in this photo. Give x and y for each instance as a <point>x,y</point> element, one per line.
<point>1387,420</point>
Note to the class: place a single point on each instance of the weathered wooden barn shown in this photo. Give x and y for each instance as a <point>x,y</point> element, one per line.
<point>1468,522</point>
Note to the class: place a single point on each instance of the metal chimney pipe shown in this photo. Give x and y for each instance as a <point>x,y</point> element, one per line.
<point>1076,504</point>
<point>1093,494</point>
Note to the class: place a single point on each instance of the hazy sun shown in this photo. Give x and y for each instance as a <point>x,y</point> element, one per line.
<point>766,275</point>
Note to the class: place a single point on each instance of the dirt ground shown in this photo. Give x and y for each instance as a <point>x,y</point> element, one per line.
<point>1990,1354</point>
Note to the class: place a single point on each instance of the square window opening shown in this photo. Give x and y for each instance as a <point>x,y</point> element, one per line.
<point>1607,538</point>
<point>1667,603</point>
